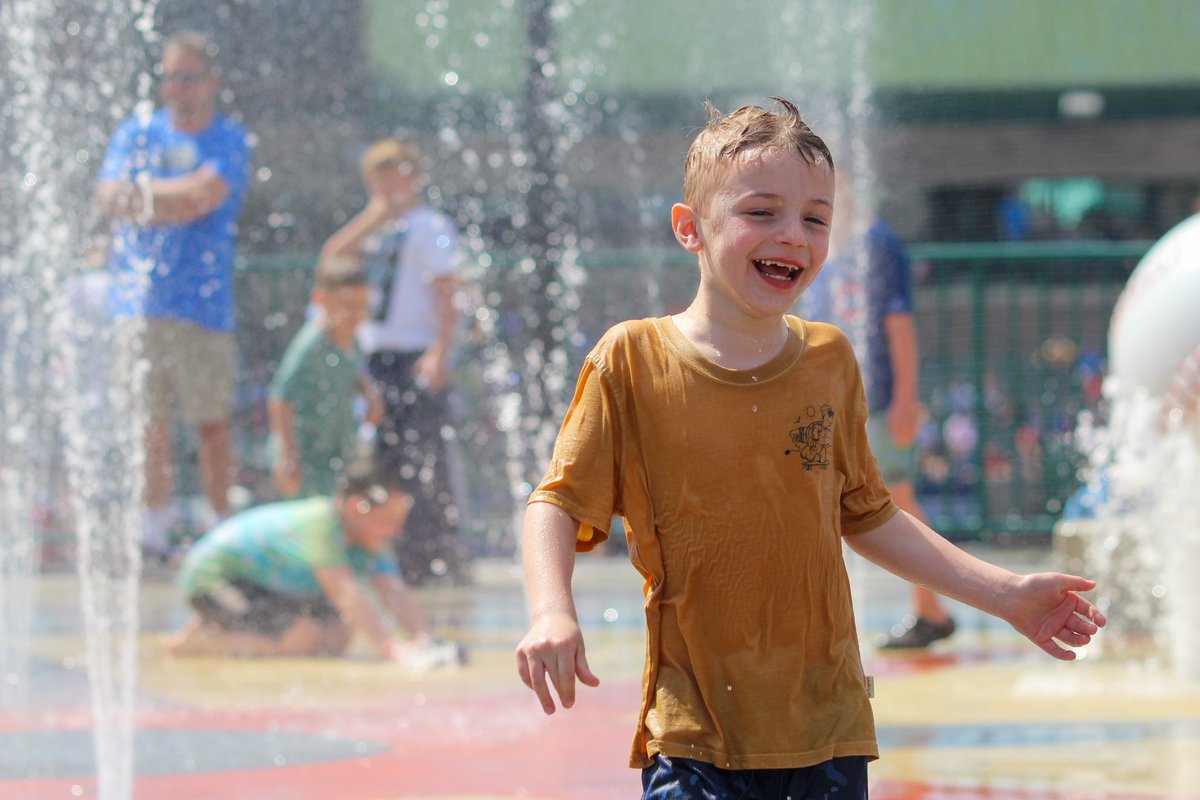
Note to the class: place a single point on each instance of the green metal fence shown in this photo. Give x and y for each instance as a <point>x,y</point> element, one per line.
<point>1012,349</point>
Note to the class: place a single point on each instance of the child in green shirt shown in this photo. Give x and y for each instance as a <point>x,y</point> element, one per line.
<point>311,398</point>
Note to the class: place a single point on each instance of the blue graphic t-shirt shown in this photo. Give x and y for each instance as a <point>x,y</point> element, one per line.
<point>872,278</point>
<point>183,272</point>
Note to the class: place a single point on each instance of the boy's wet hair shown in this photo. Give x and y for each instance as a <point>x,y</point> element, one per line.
<point>749,129</point>
<point>365,478</point>
<point>340,271</point>
<point>388,154</point>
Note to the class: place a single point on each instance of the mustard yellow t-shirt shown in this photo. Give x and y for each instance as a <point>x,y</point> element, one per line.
<point>735,488</point>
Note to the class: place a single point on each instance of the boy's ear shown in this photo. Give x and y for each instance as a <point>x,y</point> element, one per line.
<point>686,224</point>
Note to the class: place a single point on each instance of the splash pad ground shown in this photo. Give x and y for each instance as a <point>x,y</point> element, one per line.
<point>982,716</point>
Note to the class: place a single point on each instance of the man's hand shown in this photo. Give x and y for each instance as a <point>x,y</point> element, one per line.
<point>553,649</point>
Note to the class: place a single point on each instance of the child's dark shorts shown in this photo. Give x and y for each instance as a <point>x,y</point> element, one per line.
<point>671,778</point>
<point>246,607</point>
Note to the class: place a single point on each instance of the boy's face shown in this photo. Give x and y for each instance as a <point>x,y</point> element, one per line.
<point>765,233</point>
<point>346,307</point>
<point>393,180</point>
<point>371,524</point>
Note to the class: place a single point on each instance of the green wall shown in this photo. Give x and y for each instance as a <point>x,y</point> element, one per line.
<point>705,46</point>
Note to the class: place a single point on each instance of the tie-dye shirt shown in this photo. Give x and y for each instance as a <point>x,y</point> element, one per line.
<point>279,547</point>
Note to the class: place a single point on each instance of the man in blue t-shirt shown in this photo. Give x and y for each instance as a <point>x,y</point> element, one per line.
<point>865,288</point>
<point>173,183</point>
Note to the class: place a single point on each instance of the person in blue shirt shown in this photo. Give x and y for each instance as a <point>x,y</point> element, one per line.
<point>172,183</point>
<point>866,289</point>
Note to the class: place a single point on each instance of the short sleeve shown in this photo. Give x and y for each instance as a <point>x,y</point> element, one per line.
<point>232,160</point>
<point>437,250</point>
<point>370,564</point>
<point>322,545</point>
<point>584,473</point>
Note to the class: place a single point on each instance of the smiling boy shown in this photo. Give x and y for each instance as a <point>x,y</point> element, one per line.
<point>732,440</point>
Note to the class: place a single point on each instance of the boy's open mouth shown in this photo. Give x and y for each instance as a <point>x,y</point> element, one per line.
<point>777,271</point>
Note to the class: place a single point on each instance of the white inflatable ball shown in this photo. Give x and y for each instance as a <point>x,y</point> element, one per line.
<point>1154,334</point>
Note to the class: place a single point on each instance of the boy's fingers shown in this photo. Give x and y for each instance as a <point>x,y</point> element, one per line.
<point>523,670</point>
<point>537,674</point>
<point>533,674</point>
<point>1053,648</point>
<point>1074,639</point>
<point>586,676</point>
<point>1078,624</point>
<point>564,679</point>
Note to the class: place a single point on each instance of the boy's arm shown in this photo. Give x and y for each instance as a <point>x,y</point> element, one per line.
<point>904,413</point>
<point>370,392</point>
<point>433,367</point>
<point>341,588</point>
<point>286,470</point>
<point>1043,607</point>
<point>349,239</point>
<point>553,647</point>
<point>402,606</point>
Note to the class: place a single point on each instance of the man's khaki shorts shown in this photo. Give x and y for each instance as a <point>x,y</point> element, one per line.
<point>180,367</point>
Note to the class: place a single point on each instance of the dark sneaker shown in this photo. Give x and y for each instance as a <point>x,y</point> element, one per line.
<point>916,633</point>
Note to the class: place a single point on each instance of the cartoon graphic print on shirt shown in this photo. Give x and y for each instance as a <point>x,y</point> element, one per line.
<point>813,437</point>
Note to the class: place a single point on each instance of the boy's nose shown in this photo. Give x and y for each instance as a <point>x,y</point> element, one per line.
<point>791,230</point>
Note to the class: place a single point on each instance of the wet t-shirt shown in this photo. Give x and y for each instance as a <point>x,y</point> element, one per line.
<point>735,488</point>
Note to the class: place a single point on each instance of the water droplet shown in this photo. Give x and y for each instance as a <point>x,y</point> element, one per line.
<point>611,615</point>
<point>729,688</point>
<point>754,409</point>
<point>754,378</point>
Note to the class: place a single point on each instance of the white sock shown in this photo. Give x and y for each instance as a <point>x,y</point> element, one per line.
<point>156,529</point>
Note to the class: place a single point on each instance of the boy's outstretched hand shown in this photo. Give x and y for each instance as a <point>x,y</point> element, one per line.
<point>553,649</point>
<point>1047,608</point>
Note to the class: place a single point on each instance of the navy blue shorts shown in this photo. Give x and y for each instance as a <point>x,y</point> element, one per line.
<point>671,778</point>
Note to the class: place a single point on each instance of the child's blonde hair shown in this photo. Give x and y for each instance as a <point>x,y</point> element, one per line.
<point>337,272</point>
<point>749,129</point>
<point>390,154</point>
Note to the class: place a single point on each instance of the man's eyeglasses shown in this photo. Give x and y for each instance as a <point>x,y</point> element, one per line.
<point>186,78</point>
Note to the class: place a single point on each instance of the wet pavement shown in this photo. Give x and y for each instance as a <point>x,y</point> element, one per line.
<point>982,715</point>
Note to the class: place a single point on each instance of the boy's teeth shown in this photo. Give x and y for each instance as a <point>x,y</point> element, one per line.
<point>788,267</point>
